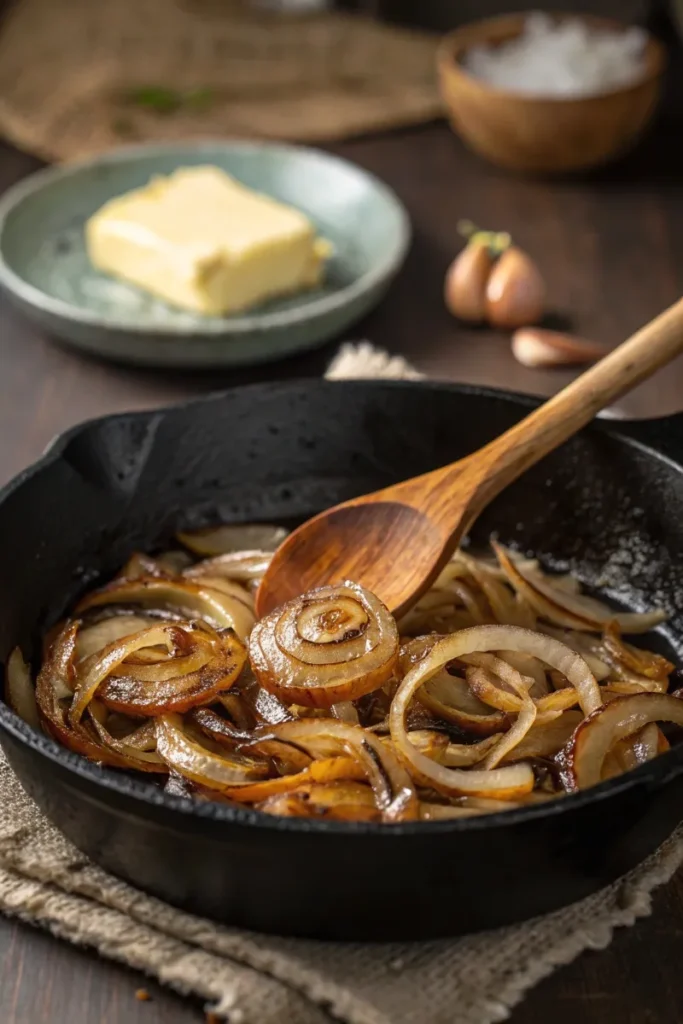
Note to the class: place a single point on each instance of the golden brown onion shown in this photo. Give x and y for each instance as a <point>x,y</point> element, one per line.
<point>576,611</point>
<point>450,698</point>
<point>447,812</point>
<point>327,770</point>
<point>583,759</point>
<point>517,732</point>
<point>54,693</point>
<point>240,537</point>
<point>464,755</point>
<point>176,685</point>
<point>185,754</point>
<point>242,566</point>
<point>136,745</point>
<point>188,598</point>
<point>503,783</point>
<point>324,737</point>
<point>485,685</point>
<point>97,667</point>
<point>92,639</point>
<point>330,645</point>
<point>547,739</point>
<point>632,664</point>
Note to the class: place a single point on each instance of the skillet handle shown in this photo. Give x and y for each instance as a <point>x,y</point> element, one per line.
<point>664,434</point>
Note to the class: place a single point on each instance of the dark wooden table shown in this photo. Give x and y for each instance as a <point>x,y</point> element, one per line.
<point>611,248</point>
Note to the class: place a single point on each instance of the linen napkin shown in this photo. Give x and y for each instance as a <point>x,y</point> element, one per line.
<point>248,978</point>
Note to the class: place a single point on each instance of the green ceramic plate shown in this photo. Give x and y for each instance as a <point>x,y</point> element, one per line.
<point>45,269</point>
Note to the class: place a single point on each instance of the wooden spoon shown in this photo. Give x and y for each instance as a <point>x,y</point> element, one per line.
<point>396,541</point>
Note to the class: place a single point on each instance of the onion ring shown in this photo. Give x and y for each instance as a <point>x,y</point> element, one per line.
<point>333,644</point>
<point>583,758</point>
<point>506,783</point>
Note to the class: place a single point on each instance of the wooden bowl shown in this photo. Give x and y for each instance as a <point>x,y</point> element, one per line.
<point>537,134</point>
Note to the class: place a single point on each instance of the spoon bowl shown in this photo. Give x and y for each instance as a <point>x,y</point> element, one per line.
<point>326,549</point>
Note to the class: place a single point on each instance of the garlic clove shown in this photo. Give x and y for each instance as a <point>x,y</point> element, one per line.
<point>515,293</point>
<point>535,347</point>
<point>465,284</point>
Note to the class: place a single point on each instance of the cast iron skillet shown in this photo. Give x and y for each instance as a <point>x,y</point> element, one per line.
<point>609,505</point>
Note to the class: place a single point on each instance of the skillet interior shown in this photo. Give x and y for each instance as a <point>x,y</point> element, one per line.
<point>603,506</point>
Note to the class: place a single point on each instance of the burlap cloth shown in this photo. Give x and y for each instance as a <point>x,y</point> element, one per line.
<point>71,72</point>
<point>257,979</point>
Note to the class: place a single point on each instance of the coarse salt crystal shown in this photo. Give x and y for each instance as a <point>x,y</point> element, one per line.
<point>567,58</point>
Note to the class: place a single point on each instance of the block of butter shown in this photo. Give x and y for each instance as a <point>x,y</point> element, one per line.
<point>204,242</point>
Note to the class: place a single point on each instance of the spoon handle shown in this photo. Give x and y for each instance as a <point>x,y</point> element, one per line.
<point>506,458</point>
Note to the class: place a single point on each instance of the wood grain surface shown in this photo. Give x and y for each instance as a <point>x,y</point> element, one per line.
<point>611,248</point>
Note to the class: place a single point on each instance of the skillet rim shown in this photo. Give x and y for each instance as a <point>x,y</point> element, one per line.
<point>143,794</point>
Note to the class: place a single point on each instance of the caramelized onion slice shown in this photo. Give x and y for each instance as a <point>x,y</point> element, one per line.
<point>287,805</point>
<point>517,732</point>
<point>189,598</point>
<point>506,783</point>
<point>394,791</point>
<point>345,712</point>
<point>485,685</point>
<point>242,566</point>
<point>259,703</point>
<point>330,645</point>
<point>20,692</point>
<point>174,691</point>
<point>464,755</point>
<point>92,639</point>
<point>229,588</point>
<point>583,758</point>
<point>326,771</point>
<point>54,688</point>
<point>221,540</point>
<point>527,665</point>
<point>137,745</point>
<point>219,728</point>
<point>630,661</point>
<point>547,739</point>
<point>186,755</point>
<point>635,750</point>
<point>450,698</point>
<point>576,611</point>
<point>585,645</point>
<point>447,812</point>
<point>98,666</point>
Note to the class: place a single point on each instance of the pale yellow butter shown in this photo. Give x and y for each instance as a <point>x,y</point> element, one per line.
<point>204,242</point>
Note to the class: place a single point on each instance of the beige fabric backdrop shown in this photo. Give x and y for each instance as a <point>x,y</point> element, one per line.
<point>68,69</point>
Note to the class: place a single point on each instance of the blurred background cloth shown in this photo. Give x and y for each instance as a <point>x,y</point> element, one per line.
<point>81,76</point>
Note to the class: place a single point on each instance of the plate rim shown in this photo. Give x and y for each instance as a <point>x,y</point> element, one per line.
<point>217,328</point>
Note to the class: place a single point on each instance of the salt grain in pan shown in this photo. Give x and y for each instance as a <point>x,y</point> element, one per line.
<point>568,58</point>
